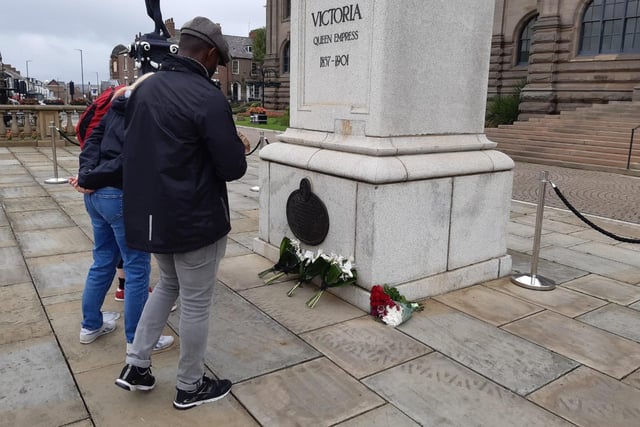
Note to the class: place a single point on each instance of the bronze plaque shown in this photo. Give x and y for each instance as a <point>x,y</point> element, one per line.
<point>307,215</point>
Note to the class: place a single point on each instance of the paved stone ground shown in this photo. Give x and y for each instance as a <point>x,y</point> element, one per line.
<point>493,354</point>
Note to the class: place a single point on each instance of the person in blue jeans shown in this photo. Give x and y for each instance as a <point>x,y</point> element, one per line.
<point>100,180</point>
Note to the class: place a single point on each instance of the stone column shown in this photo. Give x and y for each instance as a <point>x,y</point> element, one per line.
<point>387,118</point>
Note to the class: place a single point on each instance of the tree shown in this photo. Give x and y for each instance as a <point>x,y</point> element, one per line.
<point>259,38</point>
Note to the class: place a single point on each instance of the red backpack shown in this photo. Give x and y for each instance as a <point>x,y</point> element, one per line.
<point>90,118</point>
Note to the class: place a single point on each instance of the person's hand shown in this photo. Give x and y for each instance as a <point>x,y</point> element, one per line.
<point>73,180</point>
<point>245,141</point>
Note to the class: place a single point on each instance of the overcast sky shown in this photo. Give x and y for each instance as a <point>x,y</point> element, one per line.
<point>48,32</point>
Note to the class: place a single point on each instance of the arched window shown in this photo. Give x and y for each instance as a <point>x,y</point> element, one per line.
<point>524,47</point>
<point>611,26</point>
<point>286,58</point>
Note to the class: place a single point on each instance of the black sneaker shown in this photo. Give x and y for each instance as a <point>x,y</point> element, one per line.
<point>209,391</point>
<point>134,378</point>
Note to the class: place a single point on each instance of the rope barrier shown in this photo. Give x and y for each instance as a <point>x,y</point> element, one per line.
<point>64,135</point>
<point>587,221</point>
<point>262,138</point>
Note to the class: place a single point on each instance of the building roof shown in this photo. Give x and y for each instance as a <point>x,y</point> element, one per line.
<point>238,47</point>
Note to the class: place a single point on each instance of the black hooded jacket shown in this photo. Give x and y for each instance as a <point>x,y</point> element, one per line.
<point>181,147</point>
<point>101,156</point>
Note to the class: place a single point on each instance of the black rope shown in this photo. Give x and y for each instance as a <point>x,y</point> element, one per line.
<point>257,146</point>
<point>64,135</point>
<point>589,223</point>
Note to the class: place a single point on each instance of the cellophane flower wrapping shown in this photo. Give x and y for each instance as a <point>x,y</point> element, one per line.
<point>391,308</point>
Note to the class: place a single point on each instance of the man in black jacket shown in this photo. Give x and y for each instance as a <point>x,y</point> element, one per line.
<point>181,147</point>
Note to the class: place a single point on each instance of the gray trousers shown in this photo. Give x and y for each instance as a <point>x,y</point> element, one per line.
<point>189,276</point>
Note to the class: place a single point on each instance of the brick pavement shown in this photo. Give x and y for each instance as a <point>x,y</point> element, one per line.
<point>603,194</point>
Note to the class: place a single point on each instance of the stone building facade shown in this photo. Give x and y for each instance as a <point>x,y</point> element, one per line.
<point>277,56</point>
<point>567,53</point>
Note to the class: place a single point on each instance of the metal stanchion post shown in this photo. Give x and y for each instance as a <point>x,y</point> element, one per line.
<point>256,188</point>
<point>55,179</point>
<point>533,280</point>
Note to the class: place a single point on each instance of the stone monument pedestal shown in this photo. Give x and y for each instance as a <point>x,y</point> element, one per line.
<point>387,119</point>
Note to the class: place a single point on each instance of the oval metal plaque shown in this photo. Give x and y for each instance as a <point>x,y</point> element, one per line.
<point>307,215</point>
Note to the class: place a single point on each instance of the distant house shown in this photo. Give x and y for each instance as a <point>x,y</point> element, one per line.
<point>239,80</point>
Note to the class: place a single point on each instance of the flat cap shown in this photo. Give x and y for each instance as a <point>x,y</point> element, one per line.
<point>209,32</point>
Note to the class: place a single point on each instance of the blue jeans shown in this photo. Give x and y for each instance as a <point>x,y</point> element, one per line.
<point>105,209</point>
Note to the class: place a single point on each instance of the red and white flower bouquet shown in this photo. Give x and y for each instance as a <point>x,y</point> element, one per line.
<point>391,308</point>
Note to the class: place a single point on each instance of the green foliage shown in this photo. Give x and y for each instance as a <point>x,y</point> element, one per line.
<point>503,109</point>
<point>259,36</point>
<point>284,119</point>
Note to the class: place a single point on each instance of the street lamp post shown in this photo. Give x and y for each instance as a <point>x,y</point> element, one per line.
<point>82,73</point>
<point>27,62</point>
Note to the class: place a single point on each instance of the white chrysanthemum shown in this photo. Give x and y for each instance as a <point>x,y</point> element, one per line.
<point>393,316</point>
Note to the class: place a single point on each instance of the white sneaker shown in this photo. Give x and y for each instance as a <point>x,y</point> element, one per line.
<point>174,307</point>
<point>110,316</point>
<point>87,336</point>
<point>164,342</point>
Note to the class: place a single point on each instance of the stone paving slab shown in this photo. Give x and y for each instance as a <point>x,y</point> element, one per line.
<point>549,225</point>
<point>241,272</point>
<point>245,239</point>
<point>39,220</point>
<point>21,314</point>
<point>293,313</point>
<point>588,398</point>
<point>521,263</point>
<point>385,416</point>
<point>153,407</point>
<point>618,320</point>
<point>500,356</point>
<point>561,300</point>
<point>3,217</point>
<point>315,393</point>
<point>60,274</point>
<point>583,343</point>
<point>54,241</point>
<point>363,347</point>
<point>244,342</point>
<point>235,249</point>
<point>593,264</point>
<point>633,380</point>
<point>605,289</point>
<point>489,305</point>
<point>12,267</point>
<point>613,253</point>
<point>24,204</point>
<point>523,230</point>
<point>37,387</point>
<point>107,350</point>
<point>242,225</point>
<point>18,192</point>
<point>7,180</point>
<point>7,239</point>
<point>438,391</point>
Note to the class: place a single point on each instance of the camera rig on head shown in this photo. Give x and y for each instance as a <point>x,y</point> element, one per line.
<point>149,49</point>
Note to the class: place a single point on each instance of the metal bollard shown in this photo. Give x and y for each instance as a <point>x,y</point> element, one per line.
<point>55,179</point>
<point>533,280</point>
